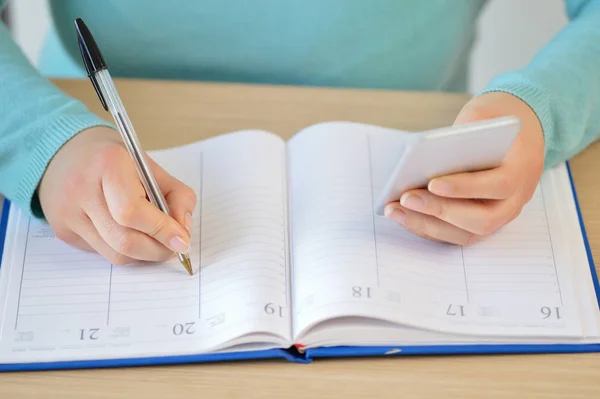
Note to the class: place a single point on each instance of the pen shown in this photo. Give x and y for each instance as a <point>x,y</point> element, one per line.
<point>99,76</point>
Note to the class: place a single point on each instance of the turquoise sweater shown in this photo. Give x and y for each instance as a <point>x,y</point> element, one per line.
<point>390,44</point>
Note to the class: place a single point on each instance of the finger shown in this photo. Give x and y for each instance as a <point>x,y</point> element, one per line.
<point>180,209</point>
<point>87,231</point>
<point>128,206</point>
<point>182,200</point>
<point>72,239</point>
<point>81,244</point>
<point>475,216</point>
<point>427,226</point>
<point>124,240</point>
<point>497,183</point>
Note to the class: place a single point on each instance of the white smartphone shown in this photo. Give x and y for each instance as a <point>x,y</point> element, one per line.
<point>462,148</point>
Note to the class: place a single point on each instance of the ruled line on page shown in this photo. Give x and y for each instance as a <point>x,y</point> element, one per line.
<point>22,272</point>
<point>551,245</point>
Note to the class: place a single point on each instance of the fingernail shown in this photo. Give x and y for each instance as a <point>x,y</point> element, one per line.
<point>188,222</point>
<point>412,201</point>
<point>439,186</point>
<point>179,245</point>
<point>394,214</point>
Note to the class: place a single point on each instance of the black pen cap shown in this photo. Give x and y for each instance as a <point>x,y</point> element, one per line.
<point>92,57</point>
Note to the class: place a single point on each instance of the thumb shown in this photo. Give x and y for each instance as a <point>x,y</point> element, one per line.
<point>486,106</point>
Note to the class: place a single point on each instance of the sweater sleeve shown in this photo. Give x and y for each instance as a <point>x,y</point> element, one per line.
<point>562,83</point>
<point>36,119</point>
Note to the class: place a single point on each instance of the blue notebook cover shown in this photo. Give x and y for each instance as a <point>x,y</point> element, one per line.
<point>306,356</point>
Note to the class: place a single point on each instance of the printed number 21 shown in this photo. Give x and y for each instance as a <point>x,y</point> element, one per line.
<point>92,334</point>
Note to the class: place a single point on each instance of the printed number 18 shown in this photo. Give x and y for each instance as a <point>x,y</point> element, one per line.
<point>359,292</point>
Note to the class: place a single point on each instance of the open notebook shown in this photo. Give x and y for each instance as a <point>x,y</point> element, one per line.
<point>295,264</point>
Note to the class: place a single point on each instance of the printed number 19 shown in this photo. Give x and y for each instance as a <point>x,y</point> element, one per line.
<point>271,309</point>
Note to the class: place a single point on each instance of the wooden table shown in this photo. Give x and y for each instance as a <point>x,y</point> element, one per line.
<point>176,113</point>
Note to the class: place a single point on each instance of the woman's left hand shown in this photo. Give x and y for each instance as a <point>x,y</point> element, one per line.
<point>462,208</point>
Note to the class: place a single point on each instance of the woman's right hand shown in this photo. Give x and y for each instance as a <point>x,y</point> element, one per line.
<point>93,199</point>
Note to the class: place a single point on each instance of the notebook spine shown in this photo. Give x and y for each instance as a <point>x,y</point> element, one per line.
<point>297,353</point>
<point>3,226</point>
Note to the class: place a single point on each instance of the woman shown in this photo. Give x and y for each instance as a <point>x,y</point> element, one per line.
<point>61,162</point>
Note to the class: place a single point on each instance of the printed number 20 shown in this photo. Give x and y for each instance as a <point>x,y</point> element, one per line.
<point>186,328</point>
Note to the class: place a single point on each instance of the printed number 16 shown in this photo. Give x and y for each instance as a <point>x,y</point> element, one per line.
<point>547,312</point>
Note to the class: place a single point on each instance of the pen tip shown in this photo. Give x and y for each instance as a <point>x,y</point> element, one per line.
<point>188,265</point>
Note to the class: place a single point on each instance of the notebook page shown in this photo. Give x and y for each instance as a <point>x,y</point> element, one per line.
<point>564,226</point>
<point>64,303</point>
<point>349,262</point>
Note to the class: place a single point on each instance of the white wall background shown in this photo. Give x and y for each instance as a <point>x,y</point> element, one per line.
<point>510,32</point>
<point>28,27</point>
